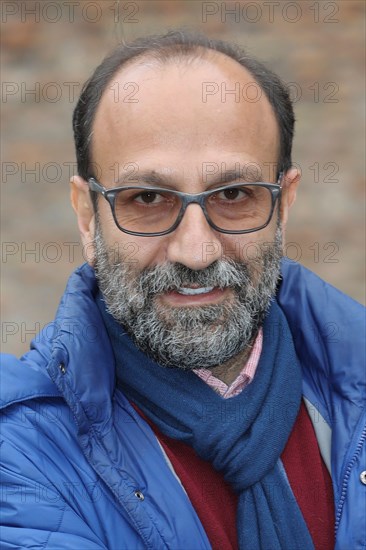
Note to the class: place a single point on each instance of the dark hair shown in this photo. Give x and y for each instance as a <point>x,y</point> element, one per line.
<point>178,44</point>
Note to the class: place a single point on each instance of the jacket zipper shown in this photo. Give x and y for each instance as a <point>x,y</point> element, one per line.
<point>346,478</point>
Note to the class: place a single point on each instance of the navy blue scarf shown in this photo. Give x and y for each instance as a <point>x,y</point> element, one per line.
<point>242,437</point>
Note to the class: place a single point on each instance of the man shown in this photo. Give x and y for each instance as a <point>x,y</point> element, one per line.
<point>195,390</point>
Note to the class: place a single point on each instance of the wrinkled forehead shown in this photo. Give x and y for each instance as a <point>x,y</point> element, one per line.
<point>188,106</point>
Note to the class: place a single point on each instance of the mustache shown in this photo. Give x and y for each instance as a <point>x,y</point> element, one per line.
<point>171,276</point>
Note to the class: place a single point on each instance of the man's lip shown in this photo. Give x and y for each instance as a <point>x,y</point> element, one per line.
<point>174,298</point>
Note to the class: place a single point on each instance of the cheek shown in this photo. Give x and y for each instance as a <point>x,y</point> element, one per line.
<point>249,247</point>
<point>245,248</point>
<point>135,252</point>
<point>138,252</point>
<point>149,251</point>
<point>106,221</point>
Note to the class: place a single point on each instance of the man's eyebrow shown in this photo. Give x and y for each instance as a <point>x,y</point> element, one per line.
<point>149,178</point>
<point>241,174</point>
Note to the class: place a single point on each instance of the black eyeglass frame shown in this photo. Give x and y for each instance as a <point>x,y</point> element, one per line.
<point>187,198</point>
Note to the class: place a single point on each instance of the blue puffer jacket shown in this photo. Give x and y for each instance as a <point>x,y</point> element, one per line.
<point>81,470</point>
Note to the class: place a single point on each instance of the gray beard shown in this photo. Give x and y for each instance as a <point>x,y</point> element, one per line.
<point>189,337</point>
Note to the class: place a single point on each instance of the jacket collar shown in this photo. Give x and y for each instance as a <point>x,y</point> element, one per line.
<point>82,363</point>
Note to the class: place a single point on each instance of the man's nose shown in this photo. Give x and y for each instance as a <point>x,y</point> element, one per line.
<point>194,243</point>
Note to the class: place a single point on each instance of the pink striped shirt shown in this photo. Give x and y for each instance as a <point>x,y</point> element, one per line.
<point>244,377</point>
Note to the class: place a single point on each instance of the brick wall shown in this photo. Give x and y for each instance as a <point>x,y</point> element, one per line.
<point>50,49</point>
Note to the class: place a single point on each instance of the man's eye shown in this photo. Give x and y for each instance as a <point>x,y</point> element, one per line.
<point>233,194</point>
<point>148,197</point>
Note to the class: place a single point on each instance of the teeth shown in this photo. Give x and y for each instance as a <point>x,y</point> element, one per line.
<point>193,291</point>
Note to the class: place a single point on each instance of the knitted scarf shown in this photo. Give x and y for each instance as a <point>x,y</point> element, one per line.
<point>242,437</point>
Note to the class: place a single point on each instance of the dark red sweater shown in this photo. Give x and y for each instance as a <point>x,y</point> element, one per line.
<point>216,503</point>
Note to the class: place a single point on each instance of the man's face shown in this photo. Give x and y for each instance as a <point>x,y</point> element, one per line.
<point>188,141</point>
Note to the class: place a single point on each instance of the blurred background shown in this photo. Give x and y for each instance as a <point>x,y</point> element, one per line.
<point>50,48</point>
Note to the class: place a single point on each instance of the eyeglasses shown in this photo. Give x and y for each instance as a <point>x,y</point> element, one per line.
<point>154,211</point>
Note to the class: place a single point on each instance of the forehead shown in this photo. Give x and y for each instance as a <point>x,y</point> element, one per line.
<point>180,114</point>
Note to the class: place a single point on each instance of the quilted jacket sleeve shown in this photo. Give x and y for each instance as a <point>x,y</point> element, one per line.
<point>42,503</point>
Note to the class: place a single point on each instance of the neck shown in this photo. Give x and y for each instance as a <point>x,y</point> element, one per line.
<point>227,372</point>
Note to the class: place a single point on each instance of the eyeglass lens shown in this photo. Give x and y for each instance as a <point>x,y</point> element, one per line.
<point>238,208</point>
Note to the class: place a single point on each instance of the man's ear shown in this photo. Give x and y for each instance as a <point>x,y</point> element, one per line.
<point>84,210</point>
<point>290,182</point>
